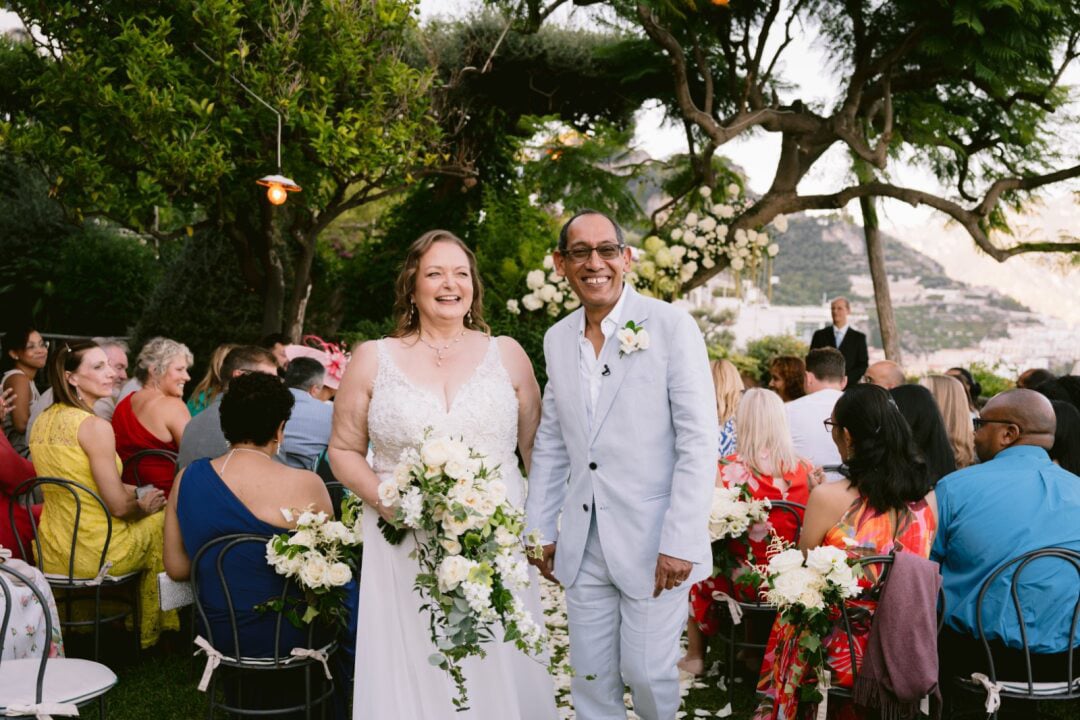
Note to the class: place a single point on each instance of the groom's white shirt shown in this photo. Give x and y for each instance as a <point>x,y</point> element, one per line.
<point>592,372</point>
<point>647,459</point>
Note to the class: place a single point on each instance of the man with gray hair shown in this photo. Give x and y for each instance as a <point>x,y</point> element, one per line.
<point>850,342</point>
<point>116,350</point>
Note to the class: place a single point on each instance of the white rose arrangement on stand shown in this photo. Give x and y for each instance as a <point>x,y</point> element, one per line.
<point>736,516</point>
<point>469,548</point>
<point>320,556</point>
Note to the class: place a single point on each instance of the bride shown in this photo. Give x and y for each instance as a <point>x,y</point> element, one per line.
<point>440,369</point>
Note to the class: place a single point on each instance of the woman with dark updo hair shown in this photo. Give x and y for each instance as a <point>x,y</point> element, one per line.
<point>885,505</point>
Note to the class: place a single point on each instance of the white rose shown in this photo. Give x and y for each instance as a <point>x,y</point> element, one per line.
<point>547,293</point>
<point>707,224</point>
<point>708,263</point>
<point>690,238</point>
<point>435,452</point>
<point>549,262</point>
<point>733,190</point>
<point>496,491</point>
<point>705,191</point>
<point>799,585</point>
<point>663,258</point>
<point>535,279</point>
<point>532,303</point>
<point>824,558</point>
<point>450,545</point>
<point>676,233</point>
<point>786,561</point>
<point>504,537</point>
<point>773,250</point>
<point>678,252</point>
<point>454,527</point>
<point>737,263</point>
<point>691,219</point>
<point>339,574</point>
<point>314,571</point>
<point>452,572</point>
<point>455,468</point>
<point>625,336</point>
<point>643,339</point>
<point>780,222</point>
<point>486,508</point>
<point>403,475</point>
<point>513,307</point>
<point>293,565</point>
<point>389,494</point>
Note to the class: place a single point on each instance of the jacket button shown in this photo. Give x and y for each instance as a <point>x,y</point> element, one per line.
<point>585,507</point>
<point>592,466</point>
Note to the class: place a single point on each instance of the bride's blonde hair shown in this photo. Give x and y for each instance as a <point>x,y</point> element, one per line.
<point>408,319</point>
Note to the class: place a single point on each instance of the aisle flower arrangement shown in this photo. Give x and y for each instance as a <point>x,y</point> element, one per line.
<point>807,592</point>
<point>469,549</point>
<point>737,516</point>
<point>321,556</point>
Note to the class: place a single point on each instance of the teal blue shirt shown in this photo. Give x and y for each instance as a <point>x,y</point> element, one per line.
<point>993,512</point>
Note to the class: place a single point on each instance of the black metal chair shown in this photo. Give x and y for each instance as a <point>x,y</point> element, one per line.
<point>75,588</point>
<point>135,461</point>
<point>241,664</point>
<point>849,617</point>
<point>1027,688</point>
<point>762,612</point>
<point>26,684</point>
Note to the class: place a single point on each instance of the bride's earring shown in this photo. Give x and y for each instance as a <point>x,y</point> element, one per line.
<point>412,310</point>
<point>468,317</point>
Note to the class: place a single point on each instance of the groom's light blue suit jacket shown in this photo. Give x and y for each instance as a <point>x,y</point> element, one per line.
<point>648,460</point>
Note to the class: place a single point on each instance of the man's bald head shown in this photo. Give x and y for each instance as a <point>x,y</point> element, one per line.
<point>885,373</point>
<point>1015,417</point>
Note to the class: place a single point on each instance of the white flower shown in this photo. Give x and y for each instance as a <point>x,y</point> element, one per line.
<point>773,250</point>
<point>477,595</point>
<point>531,302</point>
<point>701,242</point>
<point>451,545</point>
<point>547,293</point>
<point>678,252</point>
<point>762,239</point>
<point>676,233</point>
<point>412,507</point>
<point>786,561</point>
<point>737,263</point>
<point>455,468</point>
<point>513,307</point>
<point>708,263</point>
<point>514,572</point>
<point>691,219</point>
<point>452,572</point>
<point>339,574</point>
<point>435,452</point>
<point>824,558</point>
<point>721,231</point>
<point>707,224</point>
<point>389,494</point>
<point>780,222</point>
<point>549,262</point>
<point>314,571</point>
<point>496,491</point>
<point>535,279</point>
<point>740,237</point>
<point>663,258</point>
<point>705,191</point>
<point>733,190</point>
<point>723,211</point>
<point>690,238</point>
<point>797,585</point>
<point>403,475</point>
<point>626,338</point>
<point>504,537</point>
<point>642,339</point>
<point>572,302</point>
<point>553,309</point>
<point>454,527</point>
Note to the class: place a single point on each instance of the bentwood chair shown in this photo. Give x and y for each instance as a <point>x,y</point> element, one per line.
<point>309,660</point>
<point>34,688</point>
<point>135,461</point>
<point>72,590</point>
<point>1027,606</point>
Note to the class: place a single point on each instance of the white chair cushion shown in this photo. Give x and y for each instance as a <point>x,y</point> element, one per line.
<point>1039,688</point>
<point>67,680</point>
<point>88,582</point>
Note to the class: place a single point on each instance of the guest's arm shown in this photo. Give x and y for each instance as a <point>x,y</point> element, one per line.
<point>98,442</point>
<point>177,560</point>
<point>824,509</point>
<point>520,368</point>
<point>20,410</point>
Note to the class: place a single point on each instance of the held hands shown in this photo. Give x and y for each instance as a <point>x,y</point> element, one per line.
<point>150,501</point>
<point>545,563</point>
<point>670,573</point>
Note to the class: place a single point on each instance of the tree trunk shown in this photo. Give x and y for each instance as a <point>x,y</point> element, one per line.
<point>890,338</point>
<point>301,289</point>
<point>273,271</point>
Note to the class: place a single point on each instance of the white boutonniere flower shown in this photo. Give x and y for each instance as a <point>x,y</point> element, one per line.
<point>632,337</point>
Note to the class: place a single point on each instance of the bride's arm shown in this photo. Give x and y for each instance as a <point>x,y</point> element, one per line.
<point>520,368</point>
<point>349,437</point>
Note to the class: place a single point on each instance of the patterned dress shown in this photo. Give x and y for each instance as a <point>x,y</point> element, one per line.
<point>734,472</point>
<point>863,532</point>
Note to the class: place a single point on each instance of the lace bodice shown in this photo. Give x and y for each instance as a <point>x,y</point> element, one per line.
<point>484,412</point>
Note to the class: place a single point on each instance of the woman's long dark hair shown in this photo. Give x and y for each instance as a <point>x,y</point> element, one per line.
<point>884,465</point>
<point>923,417</point>
<point>1066,450</point>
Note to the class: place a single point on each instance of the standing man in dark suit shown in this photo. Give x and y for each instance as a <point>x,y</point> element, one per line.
<point>850,342</point>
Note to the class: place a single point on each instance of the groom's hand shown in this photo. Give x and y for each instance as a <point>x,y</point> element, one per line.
<point>670,572</point>
<point>545,563</point>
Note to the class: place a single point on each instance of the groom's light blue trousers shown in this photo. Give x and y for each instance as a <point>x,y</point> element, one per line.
<point>617,640</point>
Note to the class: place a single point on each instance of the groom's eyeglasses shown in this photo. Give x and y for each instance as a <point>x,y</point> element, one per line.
<point>607,251</point>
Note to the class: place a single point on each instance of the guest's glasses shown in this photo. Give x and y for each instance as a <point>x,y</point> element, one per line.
<point>607,251</point>
<point>830,424</point>
<point>980,423</point>
<point>43,345</point>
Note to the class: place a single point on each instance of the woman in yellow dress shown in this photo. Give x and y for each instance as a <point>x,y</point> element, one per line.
<point>68,441</point>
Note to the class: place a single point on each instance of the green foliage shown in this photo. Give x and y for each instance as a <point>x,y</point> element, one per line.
<point>992,383</point>
<point>765,349</point>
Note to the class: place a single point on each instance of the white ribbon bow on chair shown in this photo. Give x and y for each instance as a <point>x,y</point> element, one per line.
<point>42,711</point>
<point>732,606</point>
<point>314,655</point>
<point>993,692</point>
<point>100,577</point>
<point>213,659</point>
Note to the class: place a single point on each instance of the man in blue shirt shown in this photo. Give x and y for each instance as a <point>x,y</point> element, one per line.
<point>1016,501</point>
<point>308,430</point>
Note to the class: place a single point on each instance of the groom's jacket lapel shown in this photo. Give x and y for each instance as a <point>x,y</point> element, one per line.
<point>609,388</point>
<point>572,371</point>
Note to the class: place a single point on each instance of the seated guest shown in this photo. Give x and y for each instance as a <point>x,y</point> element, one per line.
<point>787,377</point>
<point>884,505</point>
<point>1066,449</point>
<point>210,386</point>
<point>276,344</point>
<point>117,351</point>
<point>244,491</point>
<point>884,373</point>
<point>70,442</point>
<point>203,436</point>
<point>24,354</point>
<point>972,389</point>
<point>14,469</point>
<point>765,464</point>
<point>825,382</point>
<point>921,412</point>
<point>154,417</point>
<point>1016,500</point>
<point>308,431</point>
<point>729,388</point>
<point>952,400</point>
<point>1034,377</point>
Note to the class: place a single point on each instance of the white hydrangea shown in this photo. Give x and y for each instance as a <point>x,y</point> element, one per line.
<point>477,595</point>
<point>535,279</point>
<point>547,293</point>
<point>705,191</point>
<point>780,222</point>
<point>737,263</point>
<point>549,262</point>
<point>707,224</point>
<point>513,307</point>
<point>773,249</point>
<point>531,302</point>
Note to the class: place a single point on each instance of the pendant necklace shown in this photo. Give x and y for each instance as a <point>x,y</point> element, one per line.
<point>440,350</point>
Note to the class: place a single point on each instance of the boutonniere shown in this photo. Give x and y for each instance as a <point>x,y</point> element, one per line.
<point>632,337</point>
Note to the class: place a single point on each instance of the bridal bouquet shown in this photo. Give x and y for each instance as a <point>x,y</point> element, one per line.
<point>807,592</point>
<point>736,516</point>
<point>468,546</point>
<point>320,556</point>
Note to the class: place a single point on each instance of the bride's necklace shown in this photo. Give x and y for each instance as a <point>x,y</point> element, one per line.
<point>440,350</point>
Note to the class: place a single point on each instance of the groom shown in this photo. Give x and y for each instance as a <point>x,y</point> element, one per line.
<point>626,453</point>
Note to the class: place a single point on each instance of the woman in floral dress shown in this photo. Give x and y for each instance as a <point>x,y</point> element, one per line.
<point>885,505</point>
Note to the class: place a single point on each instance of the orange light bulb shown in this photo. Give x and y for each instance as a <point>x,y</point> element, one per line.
<point>276,194</point>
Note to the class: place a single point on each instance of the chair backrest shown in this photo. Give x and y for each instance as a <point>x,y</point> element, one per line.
<point>795,510</point>
<point>24,494</point>
<point>1022,563</point>
<point>224,545</point>
<point>9,600</point>
<point>886,562</point>
<point>337,492</point>
<point>135,460</point>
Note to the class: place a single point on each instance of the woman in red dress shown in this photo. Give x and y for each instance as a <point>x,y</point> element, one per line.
<point>766,465</point>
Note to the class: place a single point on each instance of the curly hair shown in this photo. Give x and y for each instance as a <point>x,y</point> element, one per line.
<point>254,408</point>
<point>885,465</point>
<point>792,371</point>
<point>158,352</point>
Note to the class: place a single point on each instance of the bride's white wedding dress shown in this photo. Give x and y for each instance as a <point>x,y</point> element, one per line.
<point>394,680</point>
